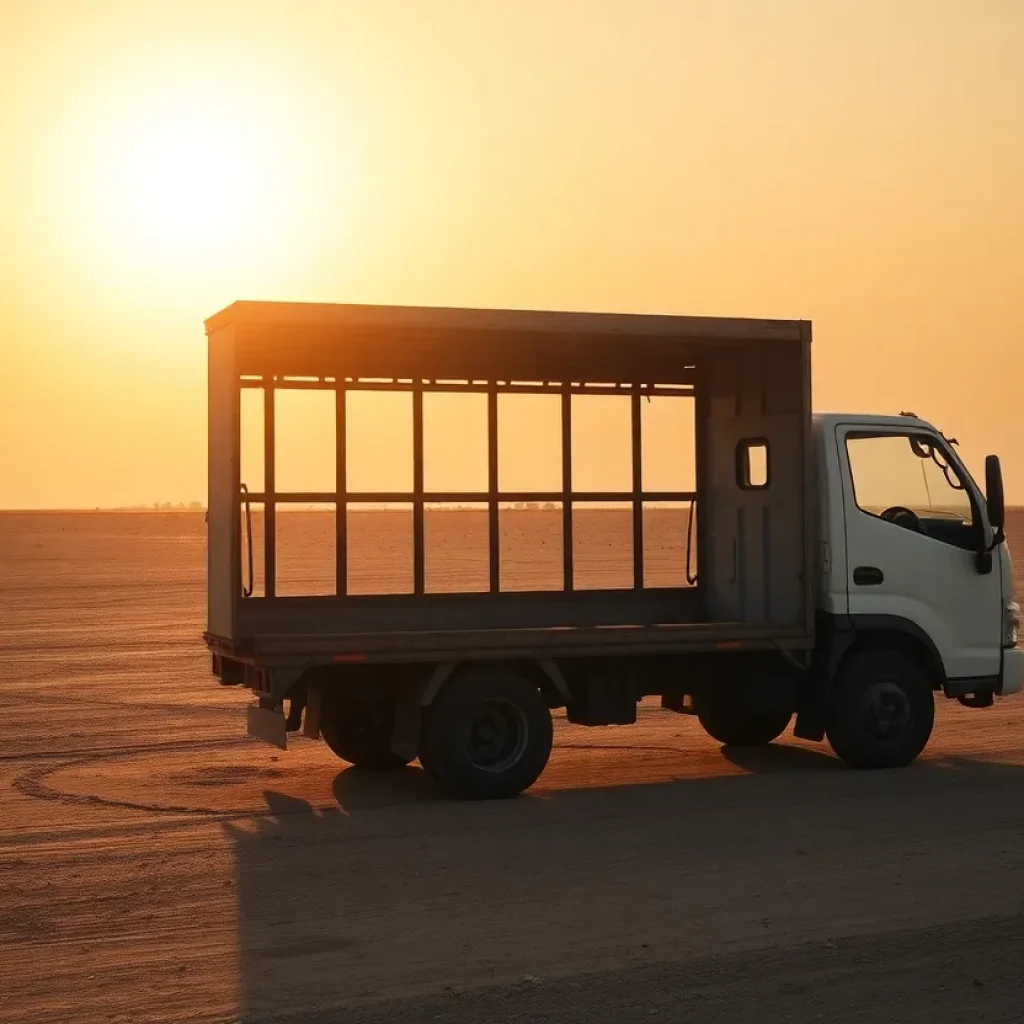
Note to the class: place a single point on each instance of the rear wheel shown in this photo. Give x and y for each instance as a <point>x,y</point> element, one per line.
<point>881,711</point>
<point>487,735</point>
<point>359,731</point>
<point>743,714</point>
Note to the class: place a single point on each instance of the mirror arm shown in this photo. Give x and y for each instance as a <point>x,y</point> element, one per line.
<point>997,538</point>
<point>983,563</point>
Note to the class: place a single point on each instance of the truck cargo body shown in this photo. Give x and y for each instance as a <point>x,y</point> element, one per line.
<point>748,381</point>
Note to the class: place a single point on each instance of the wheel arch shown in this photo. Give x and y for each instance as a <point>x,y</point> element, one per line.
<point>544,673</point>
<point>895,633</point>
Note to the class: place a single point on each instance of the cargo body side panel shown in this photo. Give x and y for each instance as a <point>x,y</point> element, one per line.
<point>756,551</point>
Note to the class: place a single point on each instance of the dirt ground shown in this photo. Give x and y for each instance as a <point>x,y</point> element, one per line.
<point>155,865</point>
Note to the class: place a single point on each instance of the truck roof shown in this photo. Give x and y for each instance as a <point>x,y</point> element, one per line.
<point>434,342</point>
<point>827,420</point>
<point>332,318</point>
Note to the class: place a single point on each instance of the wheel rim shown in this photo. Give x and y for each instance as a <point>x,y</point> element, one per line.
<point>886,713</point>
<point>497,736</point>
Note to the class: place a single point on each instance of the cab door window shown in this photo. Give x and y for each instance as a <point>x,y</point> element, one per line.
<point>910,481</point>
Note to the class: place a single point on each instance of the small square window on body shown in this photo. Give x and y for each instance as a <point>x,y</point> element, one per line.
<point>753,466</point>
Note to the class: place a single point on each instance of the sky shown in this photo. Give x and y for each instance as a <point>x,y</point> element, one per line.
<point>857,163</point>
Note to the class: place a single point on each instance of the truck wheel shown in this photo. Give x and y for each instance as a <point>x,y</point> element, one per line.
<point>881,710</point>
<point>736,717</point>
<point>487,735</point>
<point>359,731</point>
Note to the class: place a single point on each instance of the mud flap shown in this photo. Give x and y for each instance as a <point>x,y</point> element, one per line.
<point>267,725</point>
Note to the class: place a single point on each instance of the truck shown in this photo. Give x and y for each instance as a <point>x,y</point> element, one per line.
<point>840,572</point>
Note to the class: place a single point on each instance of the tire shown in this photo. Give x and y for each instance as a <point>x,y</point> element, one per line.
<point>359,731</point>
<point>487,735</point>
<point>742,714</point>
<point>881,710</point>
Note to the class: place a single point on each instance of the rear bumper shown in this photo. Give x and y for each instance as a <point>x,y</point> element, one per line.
<point>230,665</point>
<point>1013,672</point>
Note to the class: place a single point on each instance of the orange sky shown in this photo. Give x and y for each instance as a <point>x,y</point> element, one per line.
<point>856,162</point>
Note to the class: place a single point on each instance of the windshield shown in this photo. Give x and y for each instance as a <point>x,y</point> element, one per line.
<point>911,471</point>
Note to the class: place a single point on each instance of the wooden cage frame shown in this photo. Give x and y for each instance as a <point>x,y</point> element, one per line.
<point>419,497</point>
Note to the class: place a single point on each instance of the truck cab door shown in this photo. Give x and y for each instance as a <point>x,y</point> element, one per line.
<point>914,522</point>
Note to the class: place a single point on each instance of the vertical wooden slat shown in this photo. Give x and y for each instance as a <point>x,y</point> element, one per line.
<point>567,570</point>
<point>638,504</point>
<point>493,535</point>
<point>341,488</point>
<point>270,486</point>
<point>418,555</point>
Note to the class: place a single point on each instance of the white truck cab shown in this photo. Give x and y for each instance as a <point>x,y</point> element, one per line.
<point>910,545</point>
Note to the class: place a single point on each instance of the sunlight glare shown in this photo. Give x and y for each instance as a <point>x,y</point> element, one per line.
<point>190,176</point>
<point>190,172</point>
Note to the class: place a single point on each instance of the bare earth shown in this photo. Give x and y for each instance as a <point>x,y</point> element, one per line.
<point>155,865</point>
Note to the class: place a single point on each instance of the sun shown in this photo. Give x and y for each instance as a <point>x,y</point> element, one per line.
<point>191,171</point>
<point>172,176</point>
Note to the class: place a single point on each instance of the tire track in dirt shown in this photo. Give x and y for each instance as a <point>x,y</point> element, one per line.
<point>170,746</point>
<point>178,710</point>
<point>33,783</point>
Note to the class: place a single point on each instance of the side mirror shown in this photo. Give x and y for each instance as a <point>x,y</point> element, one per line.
<point>994,493</point>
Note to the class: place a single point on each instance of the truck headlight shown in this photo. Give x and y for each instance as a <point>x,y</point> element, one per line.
<point>1011,623</point>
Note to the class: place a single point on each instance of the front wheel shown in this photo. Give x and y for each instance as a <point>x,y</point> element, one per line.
<point>487,735</point>
<point>881,710</point>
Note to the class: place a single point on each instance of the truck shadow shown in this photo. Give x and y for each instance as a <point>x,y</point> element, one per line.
<point>389,890</point>
<point>777,757</point>
<point>355,790</point>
